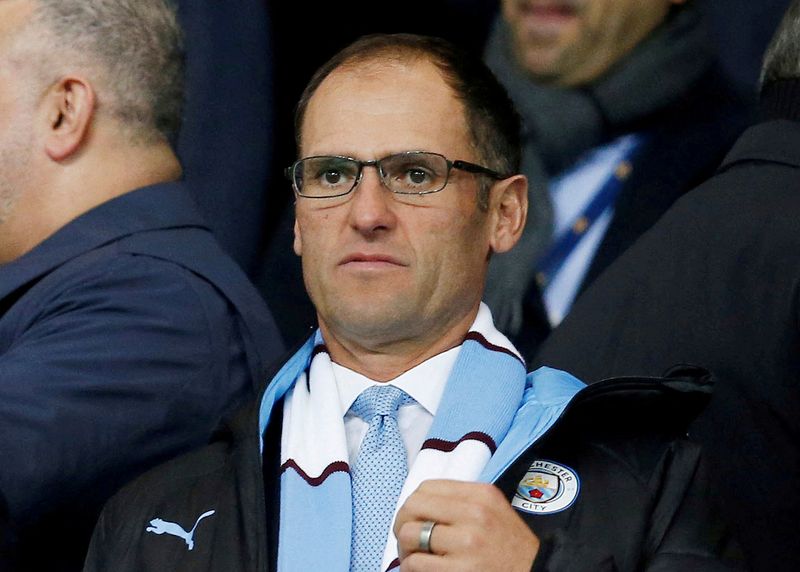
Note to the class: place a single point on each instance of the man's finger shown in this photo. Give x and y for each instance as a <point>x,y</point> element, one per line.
<point>421,562</point>
<point>444,539</point>
<point>446,487</point>
<point>410,535</point>
<point>474,502</point>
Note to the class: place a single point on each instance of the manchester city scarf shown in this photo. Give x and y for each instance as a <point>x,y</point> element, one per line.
<point>490,413</point>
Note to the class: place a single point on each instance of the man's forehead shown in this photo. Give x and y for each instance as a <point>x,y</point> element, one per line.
<point>13,15</point>
<point>375,72</point>
<point>383,102</point>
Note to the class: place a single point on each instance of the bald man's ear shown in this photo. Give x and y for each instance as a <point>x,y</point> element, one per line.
<point>69,108</point>
<point>508,208</point>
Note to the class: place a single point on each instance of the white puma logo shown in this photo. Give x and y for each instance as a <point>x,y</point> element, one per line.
<point>158,526</point>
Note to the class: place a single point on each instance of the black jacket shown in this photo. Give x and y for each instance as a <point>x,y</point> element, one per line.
<point>642,502</point>
<point>717,282</point>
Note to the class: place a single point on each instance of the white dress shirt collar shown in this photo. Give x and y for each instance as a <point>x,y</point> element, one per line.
<point>424,383</point>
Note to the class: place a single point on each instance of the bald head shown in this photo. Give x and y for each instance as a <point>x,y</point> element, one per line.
<point>90,97</point>
<point>130,50</point>
<point>16,17</point>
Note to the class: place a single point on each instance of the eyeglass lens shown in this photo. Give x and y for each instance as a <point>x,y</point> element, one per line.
<point>404,173</point>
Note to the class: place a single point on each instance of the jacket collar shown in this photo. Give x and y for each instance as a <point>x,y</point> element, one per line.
<point>161,206</point>
<point>775,141</point>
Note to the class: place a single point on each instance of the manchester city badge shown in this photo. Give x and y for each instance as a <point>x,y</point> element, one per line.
<point>547,488</point>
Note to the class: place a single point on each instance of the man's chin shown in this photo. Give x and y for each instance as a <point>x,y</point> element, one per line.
<point>373,324</point>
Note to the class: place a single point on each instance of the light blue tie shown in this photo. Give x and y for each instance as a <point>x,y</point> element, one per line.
<point>377,475</point>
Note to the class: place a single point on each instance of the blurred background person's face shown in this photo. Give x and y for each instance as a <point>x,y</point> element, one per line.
<point>573,42</point>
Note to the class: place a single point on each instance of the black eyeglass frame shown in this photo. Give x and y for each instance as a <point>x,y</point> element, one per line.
<point>289,172</point>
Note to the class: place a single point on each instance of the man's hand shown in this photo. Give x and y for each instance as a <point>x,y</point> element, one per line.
<point>476,529</point>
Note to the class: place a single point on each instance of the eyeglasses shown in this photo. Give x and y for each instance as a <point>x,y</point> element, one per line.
<point>408,173</point>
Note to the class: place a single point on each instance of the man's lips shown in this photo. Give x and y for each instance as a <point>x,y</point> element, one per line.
<point>564,7</point>
<point>547,13</point>
<point>363,260</point>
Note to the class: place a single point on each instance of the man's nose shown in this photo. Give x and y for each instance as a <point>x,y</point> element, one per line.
<point>372,204</point>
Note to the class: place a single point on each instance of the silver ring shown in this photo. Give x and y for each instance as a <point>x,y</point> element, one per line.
<point>425,536</point>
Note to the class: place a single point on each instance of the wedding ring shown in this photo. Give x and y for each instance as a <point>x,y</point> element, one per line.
<point>425,536</point>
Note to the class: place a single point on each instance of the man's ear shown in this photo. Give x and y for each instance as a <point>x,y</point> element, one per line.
<point>298,241</point>
<point>69,108</point>
<point>508,206</point>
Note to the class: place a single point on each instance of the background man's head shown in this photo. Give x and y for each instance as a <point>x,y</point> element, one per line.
<point>91,93</point>
<point>381,267</point>
<point>130,50</point>
<point>574,42</point>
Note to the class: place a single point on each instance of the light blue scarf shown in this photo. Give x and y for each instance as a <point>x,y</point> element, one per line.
<point>488,399</point>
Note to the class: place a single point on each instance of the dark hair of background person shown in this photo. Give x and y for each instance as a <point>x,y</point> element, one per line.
<point>782,58</point>
<point>493,122</point>
<point>146,93</point>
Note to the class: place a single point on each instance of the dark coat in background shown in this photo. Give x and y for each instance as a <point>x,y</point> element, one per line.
<point>684,145</point>
<point>228,133</point>
<point>717,283</point>
<point>125,337</point>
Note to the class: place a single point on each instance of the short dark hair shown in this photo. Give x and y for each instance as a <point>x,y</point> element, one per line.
<point>782,58</point>
<point>136,46</point>
<point>492,120</point>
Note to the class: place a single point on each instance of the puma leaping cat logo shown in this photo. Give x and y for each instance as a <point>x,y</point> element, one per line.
<point>158,526</point>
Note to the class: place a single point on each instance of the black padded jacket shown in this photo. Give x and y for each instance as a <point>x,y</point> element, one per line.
<point>642,501</point>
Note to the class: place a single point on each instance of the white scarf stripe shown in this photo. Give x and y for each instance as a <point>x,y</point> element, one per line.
<point>305,413</point>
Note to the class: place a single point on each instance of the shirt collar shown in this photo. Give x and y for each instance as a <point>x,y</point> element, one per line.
<point>424,383</point>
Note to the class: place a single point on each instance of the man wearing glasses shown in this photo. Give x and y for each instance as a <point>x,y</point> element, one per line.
<point>406,434</point>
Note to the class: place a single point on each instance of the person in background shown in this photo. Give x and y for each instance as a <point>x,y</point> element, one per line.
<point>715,283</point>
<point>406,433</point>
<point>126,333</point>
<point>624,109</point>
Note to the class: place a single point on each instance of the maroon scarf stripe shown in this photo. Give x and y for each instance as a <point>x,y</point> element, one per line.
<point>320,349</point>
<point>336,467</point>
<point>448,446</point>
<point>395,563</point>
<point>476,337</point>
